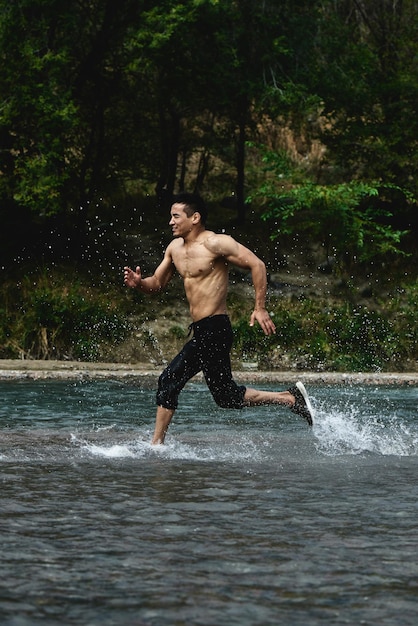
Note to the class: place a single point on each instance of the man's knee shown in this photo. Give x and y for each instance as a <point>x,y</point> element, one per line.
<point>166,396</point>
<point>230,399</point>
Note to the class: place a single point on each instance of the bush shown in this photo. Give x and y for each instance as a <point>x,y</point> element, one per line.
<point>43,320</point>
<point>60,317</point>
<point>312,334</point>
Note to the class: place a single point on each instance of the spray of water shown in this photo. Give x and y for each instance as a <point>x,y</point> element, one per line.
<point>214,448</point>
<point>348,430</point>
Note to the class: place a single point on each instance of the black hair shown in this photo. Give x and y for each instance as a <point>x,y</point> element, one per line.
<point>194,204</point>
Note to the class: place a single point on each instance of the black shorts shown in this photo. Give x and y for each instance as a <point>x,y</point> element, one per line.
<point>208,352</point>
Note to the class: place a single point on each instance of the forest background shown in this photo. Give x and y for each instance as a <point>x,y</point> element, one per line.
<point>295,119</point>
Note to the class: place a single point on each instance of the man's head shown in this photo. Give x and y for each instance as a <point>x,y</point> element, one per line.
<point>193,203</point>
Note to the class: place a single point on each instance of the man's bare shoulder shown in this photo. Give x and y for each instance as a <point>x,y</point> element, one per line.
<point>220,244</point>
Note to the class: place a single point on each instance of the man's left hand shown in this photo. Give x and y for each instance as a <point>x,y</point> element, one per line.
<point>265,321</point>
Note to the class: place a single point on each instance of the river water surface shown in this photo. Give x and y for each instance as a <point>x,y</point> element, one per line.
<point>244,518</point>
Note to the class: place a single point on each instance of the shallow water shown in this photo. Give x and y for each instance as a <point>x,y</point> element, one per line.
<point>244,518</point>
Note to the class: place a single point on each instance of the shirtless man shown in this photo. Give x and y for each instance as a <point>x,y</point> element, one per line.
<point>201,257</point>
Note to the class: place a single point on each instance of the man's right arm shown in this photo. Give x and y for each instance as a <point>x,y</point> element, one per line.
<point>150,284</point>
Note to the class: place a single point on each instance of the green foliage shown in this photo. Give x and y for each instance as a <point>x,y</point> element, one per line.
<point>55,316</point>
<point>365,71</point>
<point>178,332</point>
<point>100,98</point>
<point>339,337</point>
<point>249,341</point>
<point>351,220</point>
<point>48,321</point>
<point>37,111</point>
<point>114,100</point>
<point>360,336</point>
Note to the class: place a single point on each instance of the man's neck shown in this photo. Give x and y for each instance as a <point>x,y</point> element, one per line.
<point>193,235</point>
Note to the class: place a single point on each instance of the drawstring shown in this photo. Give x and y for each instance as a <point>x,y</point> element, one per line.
<point>190,329</point>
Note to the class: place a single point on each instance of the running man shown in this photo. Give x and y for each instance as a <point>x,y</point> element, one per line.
<point>202,257</point>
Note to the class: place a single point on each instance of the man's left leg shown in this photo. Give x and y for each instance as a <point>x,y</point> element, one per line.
<point>254,397</point>
<point>296,398</point>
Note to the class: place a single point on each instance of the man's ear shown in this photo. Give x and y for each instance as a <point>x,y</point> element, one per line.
<point>196,217</point>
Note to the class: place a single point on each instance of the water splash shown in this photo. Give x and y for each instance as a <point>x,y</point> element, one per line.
<point>349,431</point>
<point>110,446</point>
<point>215,449</point>
<point>115,451</point>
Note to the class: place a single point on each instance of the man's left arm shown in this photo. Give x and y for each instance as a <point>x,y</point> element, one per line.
<point>259,278</point>
<point>237,254</point>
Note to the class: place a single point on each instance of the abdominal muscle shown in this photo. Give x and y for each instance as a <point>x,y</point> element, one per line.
<point>207,294</point>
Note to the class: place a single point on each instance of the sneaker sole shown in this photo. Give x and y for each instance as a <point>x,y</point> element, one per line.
<point>304,393</point>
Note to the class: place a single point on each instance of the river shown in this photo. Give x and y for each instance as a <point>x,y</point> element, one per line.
<point>244,518</point>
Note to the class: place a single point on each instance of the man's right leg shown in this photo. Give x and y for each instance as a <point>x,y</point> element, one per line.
<point>172,380</point>
<point>162,422</point>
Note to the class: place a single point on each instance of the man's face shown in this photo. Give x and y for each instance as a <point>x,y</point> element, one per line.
<point>181,224</point>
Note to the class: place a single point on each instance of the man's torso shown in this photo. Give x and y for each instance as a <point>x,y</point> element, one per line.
<point>205,275</point>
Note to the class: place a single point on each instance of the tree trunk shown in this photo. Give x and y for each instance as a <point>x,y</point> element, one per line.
<point>170,140</point>
<point>240,164</point>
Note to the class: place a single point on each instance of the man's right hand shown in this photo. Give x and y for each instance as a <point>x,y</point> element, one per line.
<point>132,278</point>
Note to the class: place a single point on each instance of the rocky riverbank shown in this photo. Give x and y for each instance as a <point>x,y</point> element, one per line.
<point>16,369</point>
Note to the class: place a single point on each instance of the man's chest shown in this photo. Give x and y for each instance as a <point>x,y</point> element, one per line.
<point>195,261</point>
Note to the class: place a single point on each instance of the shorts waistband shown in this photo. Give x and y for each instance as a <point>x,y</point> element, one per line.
<point>210,321</point>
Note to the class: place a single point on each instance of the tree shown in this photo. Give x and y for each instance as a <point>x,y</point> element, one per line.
<point>352,220</point>
<point>62,66</point>
<point>259,70</point>
<point>367,76</point>
<point>37,111</point>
